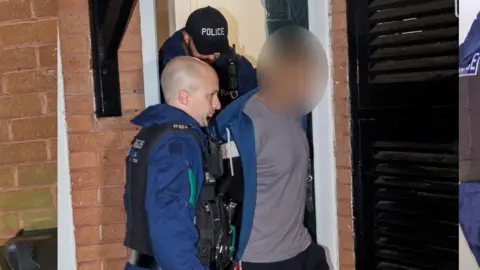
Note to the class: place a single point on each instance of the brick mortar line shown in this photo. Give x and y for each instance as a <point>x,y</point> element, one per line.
<point>100,129</point>
<point>7,95</point>
<point>99,152</point>
<point>50,68</point>
<point>98,202</point>
<point>105,242</point>
<point>67,35</point>
<point>29,20</point>
<point>89,150</point>
<point>48,114</point>
<point>28,45</point>
<point>49,146</point>
<point>99,207</point>
<point>27,187</point>
<point>97,132</point>
<point>29,211</point>
<point>134,113</point>
<point>122,92</point>
<point>38,163</point>
<point>28,141</point>
<point>27,117</point>
<point>124,112</point>
<point>99,225</point>
<point>139,92</point>
<point>99,243</point>
<point>62,14</point>
<point>43,115</point>
<point>26,163</point>
<point>98,169</point>
<point>89,53</point>
<point>25,70</point>
<point>98,187</point>
<point>32,10</point>
<point>37,56</point>
<point>74,54</point>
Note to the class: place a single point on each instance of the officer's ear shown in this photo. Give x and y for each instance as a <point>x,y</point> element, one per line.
<point>183,97</point>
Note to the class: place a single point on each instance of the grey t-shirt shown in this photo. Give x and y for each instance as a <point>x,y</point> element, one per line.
<point>282,152</point>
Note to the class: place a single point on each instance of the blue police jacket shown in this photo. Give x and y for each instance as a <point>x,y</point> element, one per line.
<point>173,47</point>
<point>469,192</point>
<point>241,131</point>
<point>471,45</point>
<point>175,159</point>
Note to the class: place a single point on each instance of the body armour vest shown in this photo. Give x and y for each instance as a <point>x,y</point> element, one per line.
<point>216,243</point>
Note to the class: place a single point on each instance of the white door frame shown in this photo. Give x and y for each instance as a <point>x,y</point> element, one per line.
<point>323,130</point>
<point>148,27</point>
<point>66,245</point>
<point>322,116</point>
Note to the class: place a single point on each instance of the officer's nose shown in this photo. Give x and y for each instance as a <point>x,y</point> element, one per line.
<point>216,103</point>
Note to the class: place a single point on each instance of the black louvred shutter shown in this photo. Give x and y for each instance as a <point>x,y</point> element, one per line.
<point>403,76</point>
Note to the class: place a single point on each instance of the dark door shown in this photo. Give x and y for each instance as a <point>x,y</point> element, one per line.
<point>282,13</point>
<point>404,106</point>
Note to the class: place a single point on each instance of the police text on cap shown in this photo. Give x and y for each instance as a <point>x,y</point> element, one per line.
<point>213,32</point>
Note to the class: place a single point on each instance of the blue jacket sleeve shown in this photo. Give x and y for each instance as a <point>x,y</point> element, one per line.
<point>469,215</point>
<point>247,76</point>
<point>170,216</point>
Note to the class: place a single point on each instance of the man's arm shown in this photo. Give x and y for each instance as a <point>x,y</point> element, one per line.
<point>172,231</point>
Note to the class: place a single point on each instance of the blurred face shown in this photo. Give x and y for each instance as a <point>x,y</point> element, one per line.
<point>301,81</point>
<point>192,51</point>
<point>202,102</point>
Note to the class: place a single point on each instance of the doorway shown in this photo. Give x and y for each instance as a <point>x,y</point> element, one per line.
<point>314,15</point>
<point>404,108</point>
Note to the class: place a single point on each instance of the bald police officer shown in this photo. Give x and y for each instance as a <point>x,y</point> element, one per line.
<point>165,169</point>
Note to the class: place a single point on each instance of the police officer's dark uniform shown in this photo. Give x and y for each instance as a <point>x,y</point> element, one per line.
<point>216,242</point>
<point>209,31</point>
<point>469,137</point>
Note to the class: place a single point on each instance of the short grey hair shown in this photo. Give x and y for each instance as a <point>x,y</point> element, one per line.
<point>182,72</point>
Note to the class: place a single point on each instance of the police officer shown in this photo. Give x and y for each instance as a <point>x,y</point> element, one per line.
<point>469,136</point>
<point>205,37</point>
<point>160,199</point>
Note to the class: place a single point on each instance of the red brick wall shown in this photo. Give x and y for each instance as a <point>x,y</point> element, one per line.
<point>97,146</point>
<point>342,134</point>
<point>28,123</point>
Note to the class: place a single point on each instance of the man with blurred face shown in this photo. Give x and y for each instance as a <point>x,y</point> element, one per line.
<point>160,198</point>
<point>205,37</point>
<point>267,127</point>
